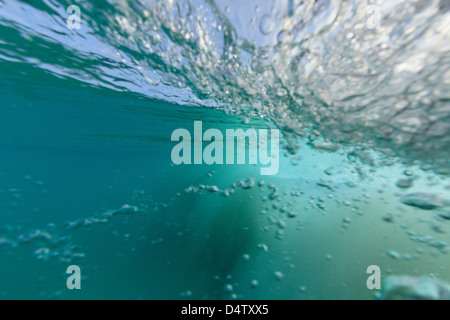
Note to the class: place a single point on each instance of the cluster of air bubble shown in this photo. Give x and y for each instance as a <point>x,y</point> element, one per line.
<point>376,73</point>
<point>51,244</point>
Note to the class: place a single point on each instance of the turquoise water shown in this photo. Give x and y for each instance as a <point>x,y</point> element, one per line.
<point>86,176</point>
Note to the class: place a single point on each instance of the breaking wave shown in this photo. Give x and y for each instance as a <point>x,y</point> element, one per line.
<point>313,67</point>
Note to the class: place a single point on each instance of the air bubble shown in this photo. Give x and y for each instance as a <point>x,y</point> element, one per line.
<point>228,288</point>
<point>284,36</point>
<point>404,183</point>
<point>266,25</point>
<point>278,275</point>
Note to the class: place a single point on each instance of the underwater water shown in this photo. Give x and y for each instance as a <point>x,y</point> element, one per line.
<point>87,179</point>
